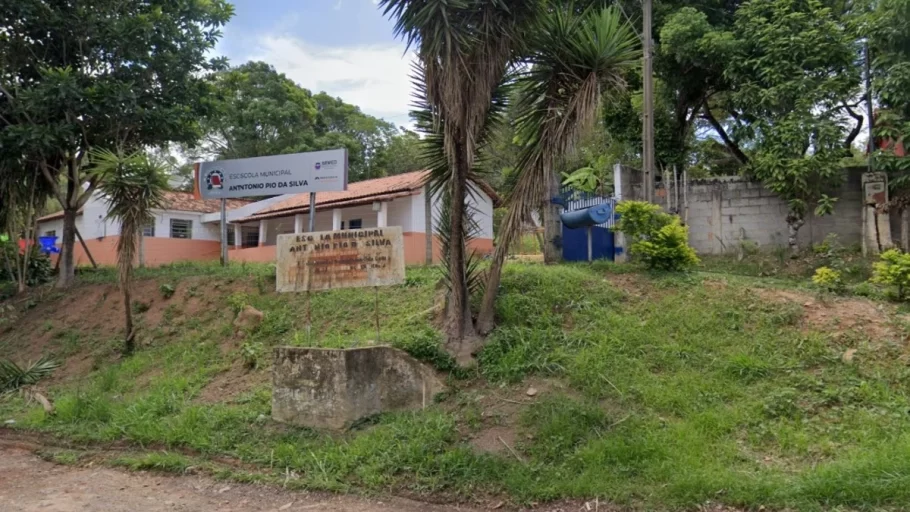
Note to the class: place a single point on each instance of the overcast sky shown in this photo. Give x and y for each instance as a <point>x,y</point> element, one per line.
<point>343,47</point>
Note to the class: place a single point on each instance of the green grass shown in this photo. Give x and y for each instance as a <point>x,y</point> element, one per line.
<point>678,393</point>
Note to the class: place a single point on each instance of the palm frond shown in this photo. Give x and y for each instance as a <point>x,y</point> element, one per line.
<point>132,186</point>
<point>13,376</point>
<point>576,58</point>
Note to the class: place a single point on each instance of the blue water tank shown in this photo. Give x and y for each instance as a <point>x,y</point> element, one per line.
<point>588,217</point>
<point>48,244</point>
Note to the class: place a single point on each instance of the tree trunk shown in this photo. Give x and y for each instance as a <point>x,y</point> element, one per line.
<point>905,229</point>
<point>129,341</point>
<point>485,319</point>
<point>67,273</point>
<point>459,327</point>
<point>552,224</point>
<point>794,222</point>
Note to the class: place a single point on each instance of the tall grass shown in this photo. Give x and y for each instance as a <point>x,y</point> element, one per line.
<point>679,393</point>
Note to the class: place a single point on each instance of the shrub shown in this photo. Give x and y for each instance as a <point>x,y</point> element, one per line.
<point>39,270</point>
<point>639,219</point>
<point>658,238</point>
<point>668,249</point>
<point>828,279</point>
<point>167,290</point>
<point>893,270</point>
<point>251,353</point>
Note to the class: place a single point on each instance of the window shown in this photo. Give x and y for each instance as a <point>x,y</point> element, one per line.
<point>250,236</point>
<point>355,224</point>
<point>181,228</point>
<point>148,229</point>
<point>52,232</point>
<point>230,233</point>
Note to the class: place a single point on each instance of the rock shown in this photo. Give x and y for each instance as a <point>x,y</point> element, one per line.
<point>848,355</point>
<point>532,391</point>
<point>9,422</point>
<point>333,388</point>
<point>248,318</point>
<point>286,506</point>
<point>224,490</point>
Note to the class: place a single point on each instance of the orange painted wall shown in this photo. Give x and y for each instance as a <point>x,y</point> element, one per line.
<point>264,254</point>
<point>158,251</point>
<point>161,251</point>
<point>415,248</point>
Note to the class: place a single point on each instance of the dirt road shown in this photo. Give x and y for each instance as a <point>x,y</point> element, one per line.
<point>29,484</point>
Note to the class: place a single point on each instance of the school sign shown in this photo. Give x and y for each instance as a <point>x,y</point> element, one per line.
<point>316,171</point>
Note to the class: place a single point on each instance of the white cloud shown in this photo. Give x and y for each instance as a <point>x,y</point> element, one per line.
<point>373,77</point>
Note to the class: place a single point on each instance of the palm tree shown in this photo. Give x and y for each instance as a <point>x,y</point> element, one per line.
<point>464,50</point>
<point>575,59</point>
<point>132,186</point>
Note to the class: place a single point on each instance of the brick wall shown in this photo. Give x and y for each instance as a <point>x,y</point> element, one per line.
<point>725,211</point>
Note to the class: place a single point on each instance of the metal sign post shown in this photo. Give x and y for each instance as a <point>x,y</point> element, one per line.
<point>312,212</point>
<point>224,244</point>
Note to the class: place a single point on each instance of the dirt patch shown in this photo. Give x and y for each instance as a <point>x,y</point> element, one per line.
<point>227,386</point>
<point>82,326</point>
<point>29,484</point>
<point>838,314</point>
<point>499,440</point>
<point>494,428</point>
<point>631,284</point>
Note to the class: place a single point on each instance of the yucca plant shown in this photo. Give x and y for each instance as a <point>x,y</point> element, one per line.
<point>13,376</point>
<point>464,49</point>
<point>133,186</point>
<point>574,59</point>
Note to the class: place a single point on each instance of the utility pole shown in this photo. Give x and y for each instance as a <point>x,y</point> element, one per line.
<point>647,132</point>
<point>870,144</point>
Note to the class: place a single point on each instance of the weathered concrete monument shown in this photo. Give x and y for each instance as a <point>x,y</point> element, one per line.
<point>333,388</point>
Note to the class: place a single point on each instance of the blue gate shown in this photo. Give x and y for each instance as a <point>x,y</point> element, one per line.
<point>575,241</point>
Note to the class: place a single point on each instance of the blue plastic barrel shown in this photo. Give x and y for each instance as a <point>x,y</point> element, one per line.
<point>48,244</point>
<point>588,217</point>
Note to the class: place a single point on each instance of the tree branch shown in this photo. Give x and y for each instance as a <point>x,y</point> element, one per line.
<point>848,143</point>
<point>731,145</point>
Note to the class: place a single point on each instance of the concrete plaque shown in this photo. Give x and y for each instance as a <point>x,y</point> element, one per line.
<point>354,258</point>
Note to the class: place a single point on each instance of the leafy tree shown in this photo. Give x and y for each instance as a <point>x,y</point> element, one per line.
<point>107,73</point>
<point>23,194</point>
<point>260,112</point>
<point>793,64</point>
<point>132,186</point>
<point>402,154</point>
<point>888,28</point>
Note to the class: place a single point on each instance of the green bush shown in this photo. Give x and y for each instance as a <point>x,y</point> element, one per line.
<point>828,279</point>
<point>639,219</point>
<point>39,271</point>
<point>668,249</point>
<point>658,238</point>
<point>893,270</point>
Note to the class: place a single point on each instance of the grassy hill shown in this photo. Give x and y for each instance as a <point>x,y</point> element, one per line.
<point>652,391</point>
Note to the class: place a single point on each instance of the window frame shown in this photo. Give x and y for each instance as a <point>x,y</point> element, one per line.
<point>188,227</point>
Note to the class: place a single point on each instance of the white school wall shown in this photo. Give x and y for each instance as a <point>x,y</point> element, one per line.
<point>483,212</point>
<point>94,224</point>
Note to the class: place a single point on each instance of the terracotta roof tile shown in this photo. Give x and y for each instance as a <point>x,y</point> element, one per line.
<point>360,192</point>
<point>180,201</point>
<point>185,202</point>
<point>406,182</point>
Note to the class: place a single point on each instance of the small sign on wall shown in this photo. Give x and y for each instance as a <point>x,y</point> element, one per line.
<point>875,188</point>
<point>328,260</point>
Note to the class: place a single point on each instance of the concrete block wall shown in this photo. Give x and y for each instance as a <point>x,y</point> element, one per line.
<point>725,211</point>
